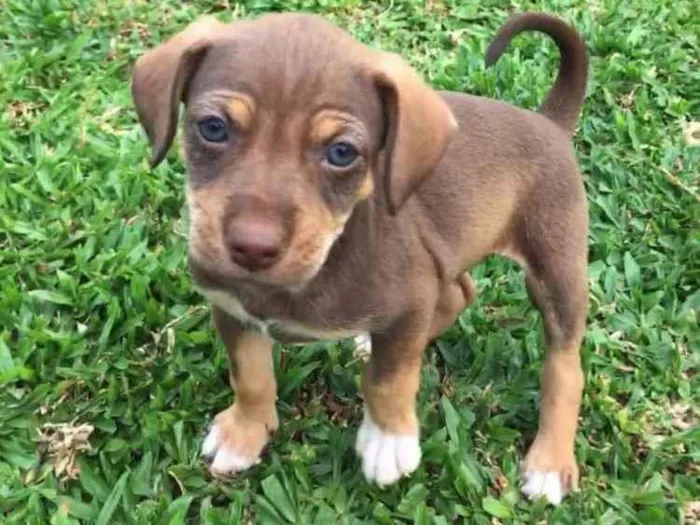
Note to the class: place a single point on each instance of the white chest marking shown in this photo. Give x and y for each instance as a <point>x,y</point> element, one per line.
<point>232,306</point>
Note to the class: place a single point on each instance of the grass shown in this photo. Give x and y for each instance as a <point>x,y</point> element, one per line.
<point>104,342</point>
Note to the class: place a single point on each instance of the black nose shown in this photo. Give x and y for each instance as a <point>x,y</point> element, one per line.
<point>255,244</point>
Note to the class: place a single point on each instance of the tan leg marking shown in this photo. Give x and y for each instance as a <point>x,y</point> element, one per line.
<point>551,455</point>
<point>391,401</point>
<point>240,432</point>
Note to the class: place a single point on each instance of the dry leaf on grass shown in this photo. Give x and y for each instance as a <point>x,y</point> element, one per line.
<point>62,442</point>
<point>683,416</point>
<point>691,133</point>
<point>691,512</point>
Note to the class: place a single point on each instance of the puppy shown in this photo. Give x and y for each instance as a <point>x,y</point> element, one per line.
<point>333,194</point>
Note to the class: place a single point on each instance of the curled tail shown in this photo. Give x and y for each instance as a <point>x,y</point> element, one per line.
<point>563,103</point>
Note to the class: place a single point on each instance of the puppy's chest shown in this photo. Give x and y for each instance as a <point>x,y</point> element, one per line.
<point>279,327</point>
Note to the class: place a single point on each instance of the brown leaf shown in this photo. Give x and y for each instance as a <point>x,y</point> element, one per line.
<point>691,512</point>
<point>691,133</point>
<point>62,443</point>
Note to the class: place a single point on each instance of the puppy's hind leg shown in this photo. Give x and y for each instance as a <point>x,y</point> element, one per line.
<point>557,283</point>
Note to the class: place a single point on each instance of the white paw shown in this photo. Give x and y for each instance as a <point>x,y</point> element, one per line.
<point>547,484</point>
<point>363,347</point>
<point>224,459</point>
<point>386,457</point>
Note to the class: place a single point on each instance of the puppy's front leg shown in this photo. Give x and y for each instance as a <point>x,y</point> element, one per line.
<point>240,432</point>
<point>387,441</point>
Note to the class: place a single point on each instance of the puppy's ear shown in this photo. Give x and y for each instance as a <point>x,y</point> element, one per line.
<point>418,126</point>
<point>160,79</point>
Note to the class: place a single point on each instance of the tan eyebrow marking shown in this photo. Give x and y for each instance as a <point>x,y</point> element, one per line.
<point>241,109</point>
<point>325,125</point>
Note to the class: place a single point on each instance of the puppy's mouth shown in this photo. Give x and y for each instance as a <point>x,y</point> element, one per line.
<point>300,264</point>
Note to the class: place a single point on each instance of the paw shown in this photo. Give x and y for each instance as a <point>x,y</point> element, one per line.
<point>234,443</point>
<point>386,457</point>
<point>548,484</point>
<point>548,474</point>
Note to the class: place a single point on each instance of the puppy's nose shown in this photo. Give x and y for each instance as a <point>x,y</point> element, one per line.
<point>255,244</point>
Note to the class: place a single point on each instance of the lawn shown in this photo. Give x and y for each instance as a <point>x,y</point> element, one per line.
<point>109,366</point>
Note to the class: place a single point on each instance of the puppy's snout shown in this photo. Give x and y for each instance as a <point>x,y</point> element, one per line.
<point>255,244</point>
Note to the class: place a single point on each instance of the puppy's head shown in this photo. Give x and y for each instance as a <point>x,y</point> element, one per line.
<point>289,124</point>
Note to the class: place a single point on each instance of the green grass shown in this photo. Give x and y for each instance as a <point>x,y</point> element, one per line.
<point>99,324</point>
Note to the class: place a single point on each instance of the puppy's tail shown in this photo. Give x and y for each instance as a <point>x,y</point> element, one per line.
<point>563,103</point>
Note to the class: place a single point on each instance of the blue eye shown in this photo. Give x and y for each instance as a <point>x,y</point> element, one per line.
<point>213,129</point>
<point>341,154</point>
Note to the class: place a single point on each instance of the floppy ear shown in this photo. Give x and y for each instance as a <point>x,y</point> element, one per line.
<point>418,126</point>
<point>160,79</point>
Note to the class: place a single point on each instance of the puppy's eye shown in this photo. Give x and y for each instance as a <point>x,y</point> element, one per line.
<point>341,154</point>
<point>213,129</point>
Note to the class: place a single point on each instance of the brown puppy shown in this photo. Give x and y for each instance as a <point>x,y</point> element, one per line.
<point>332,196</point>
